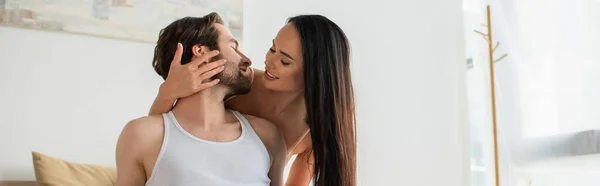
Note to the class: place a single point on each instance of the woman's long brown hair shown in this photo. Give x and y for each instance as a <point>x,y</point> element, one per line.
<point>329,99</point>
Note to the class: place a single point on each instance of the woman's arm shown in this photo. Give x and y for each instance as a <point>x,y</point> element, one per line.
<point>185,80</point>
<point>162,103</point>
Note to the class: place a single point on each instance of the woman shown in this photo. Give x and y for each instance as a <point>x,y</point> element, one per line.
<point>305,90</point>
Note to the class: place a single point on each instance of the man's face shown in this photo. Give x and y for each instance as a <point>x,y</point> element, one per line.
<point>237,69</point>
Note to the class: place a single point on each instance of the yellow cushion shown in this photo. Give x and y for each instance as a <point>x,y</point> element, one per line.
<point>50,171</point>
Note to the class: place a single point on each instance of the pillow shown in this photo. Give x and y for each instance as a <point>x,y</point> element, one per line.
<point>585,142</point>
<point>50,171</point>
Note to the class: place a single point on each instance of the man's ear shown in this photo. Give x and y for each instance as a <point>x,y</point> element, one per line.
<point>199,50</point>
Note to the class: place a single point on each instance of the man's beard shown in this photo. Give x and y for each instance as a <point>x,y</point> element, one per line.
<point>233,79</point>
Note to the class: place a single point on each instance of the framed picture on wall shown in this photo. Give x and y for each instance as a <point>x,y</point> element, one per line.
<point>138,20</point>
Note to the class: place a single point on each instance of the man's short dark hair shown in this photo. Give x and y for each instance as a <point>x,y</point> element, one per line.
<point>188,31</point>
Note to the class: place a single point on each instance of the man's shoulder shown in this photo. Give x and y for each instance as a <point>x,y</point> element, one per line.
<point>145,122</point>
<point>140,139</point>
<point>144,128</point>
<point>261,124</point>
<point>267,131</point>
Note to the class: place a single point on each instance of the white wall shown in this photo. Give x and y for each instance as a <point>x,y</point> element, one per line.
<point>68,96</point>
<point>61,96</point>
<point>412,107</point>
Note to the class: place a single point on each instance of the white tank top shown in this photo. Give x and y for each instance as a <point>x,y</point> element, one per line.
<point>186,160</point>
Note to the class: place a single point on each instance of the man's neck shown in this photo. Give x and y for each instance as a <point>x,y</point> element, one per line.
<point>205,108</point>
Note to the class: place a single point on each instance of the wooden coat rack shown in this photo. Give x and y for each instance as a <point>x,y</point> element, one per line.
<point>492,61</point>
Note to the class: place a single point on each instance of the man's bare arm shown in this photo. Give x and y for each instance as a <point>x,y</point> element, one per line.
<point>279,159</point>
<point>273,141</point>
<point>130,170</point>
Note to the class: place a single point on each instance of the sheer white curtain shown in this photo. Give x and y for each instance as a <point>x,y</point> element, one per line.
<point>547,88</point>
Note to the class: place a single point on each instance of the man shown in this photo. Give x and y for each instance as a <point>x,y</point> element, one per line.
<point>200,142</point>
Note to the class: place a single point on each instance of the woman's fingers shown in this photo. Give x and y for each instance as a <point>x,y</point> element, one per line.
<point>209,66</point>
<point>206,85</point>
<point>177,58</point>
<point>207,71</point>
<point>196,63</point>
<point>211,73</point>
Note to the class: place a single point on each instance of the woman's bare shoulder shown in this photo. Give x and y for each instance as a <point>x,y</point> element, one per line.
<point>257,80</point>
